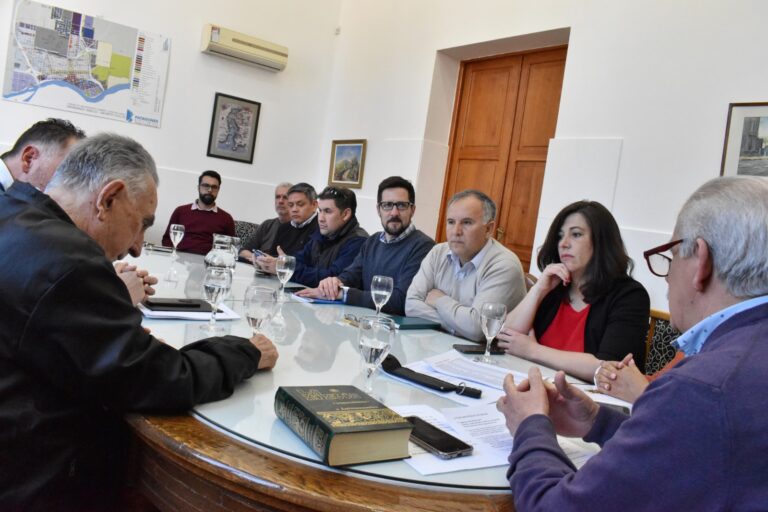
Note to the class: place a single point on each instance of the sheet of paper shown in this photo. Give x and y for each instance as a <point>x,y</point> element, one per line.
<point>225,314</point>
<point>482,423</point>
<point>599,397</point>
<point>483,456</point>
<point>454,364</point>
<point>488,394</point>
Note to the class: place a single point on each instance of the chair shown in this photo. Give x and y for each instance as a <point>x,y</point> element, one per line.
<point>530,280</point>
<point>658,345</point>
<point>244,229</point>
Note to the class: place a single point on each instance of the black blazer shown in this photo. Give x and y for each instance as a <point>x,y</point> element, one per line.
<point>74,358</point>
<point>617,323</point>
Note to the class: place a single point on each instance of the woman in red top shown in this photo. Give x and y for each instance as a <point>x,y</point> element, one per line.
<point>585,307</point>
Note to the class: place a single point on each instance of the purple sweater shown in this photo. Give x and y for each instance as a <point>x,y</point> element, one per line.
<point>697,438</point>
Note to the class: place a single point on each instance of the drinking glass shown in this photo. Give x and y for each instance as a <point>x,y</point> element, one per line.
<point>236,246</point>
<point>177,233</point>
<point>259,304</point>
<point>376,335</point>
<point>284,266</point>
<point>216,284</point>
<point>381,290</point>
<point>492,315</point>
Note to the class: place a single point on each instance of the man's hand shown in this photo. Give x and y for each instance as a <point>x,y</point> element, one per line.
<point>523,400</point>
<point>138,282</point>
<point>572,412</point>
<point>268,351</point>
<point>267,263</point>
<point>432,296</point>
<point>329,288</point>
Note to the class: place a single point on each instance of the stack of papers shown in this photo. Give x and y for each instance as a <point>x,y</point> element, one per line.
<point>224,313</point>
<point>483,427</point>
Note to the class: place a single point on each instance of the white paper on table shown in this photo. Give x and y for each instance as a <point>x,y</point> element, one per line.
<point>602,398</point>
<point>454,364</point>
<point>225,313</point>
<point>488,394</point>
<point>484,423</point>
<point>483,456</point>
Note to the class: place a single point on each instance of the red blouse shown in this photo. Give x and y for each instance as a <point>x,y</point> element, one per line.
<point>566,332</point>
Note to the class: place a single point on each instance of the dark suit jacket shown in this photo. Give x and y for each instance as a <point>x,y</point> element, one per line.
<point>74,358</point>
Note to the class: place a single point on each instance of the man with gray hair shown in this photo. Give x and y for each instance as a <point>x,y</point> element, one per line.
<point>458,276</point>
<point>700,426</point>
<point>74,354</point>
<point>264,237</point>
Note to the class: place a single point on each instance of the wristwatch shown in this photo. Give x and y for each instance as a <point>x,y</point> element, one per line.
<point>344,290</point>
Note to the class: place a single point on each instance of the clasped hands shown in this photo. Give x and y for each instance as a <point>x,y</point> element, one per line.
<point>621,379</point>
<point>138,281</point>
<point>572,412</point>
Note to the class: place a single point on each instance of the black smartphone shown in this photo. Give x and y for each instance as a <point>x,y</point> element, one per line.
<point>294,289</point>
<point>478,349</point>
<point>437,441</point>
<point>197,305</point>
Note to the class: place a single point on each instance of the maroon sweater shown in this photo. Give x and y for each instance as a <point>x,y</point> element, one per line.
<point>199,228</point>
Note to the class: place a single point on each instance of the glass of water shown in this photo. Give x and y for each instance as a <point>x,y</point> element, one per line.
<point>492,316</point>
<point>177,233</point>
<point>376,335</point>
<point>381,290</point>
<point>216,284</point>
<point>284,266</point>
<point>259,304</point>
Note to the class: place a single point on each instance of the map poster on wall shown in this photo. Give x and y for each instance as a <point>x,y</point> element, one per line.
<point>72,61</point>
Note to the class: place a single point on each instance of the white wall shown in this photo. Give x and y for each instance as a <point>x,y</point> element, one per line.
<point>289,142</point>
<point>645,96</point>
<point>656,75</point>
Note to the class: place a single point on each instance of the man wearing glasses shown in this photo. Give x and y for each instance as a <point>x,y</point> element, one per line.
<point>395,252</point>
<point>202,218</point>
<point>701,426</point>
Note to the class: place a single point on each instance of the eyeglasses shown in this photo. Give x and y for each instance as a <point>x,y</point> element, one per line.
<point>206,186</point>
<point>400,205</point>
<point>659,263</point>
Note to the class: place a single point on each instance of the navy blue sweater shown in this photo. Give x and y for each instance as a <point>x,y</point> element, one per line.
<point>400,260</point>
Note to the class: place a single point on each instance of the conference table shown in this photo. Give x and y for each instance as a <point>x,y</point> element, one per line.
<point>236,455</point>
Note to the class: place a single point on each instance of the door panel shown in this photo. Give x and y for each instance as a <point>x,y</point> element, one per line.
<point>505,115</point>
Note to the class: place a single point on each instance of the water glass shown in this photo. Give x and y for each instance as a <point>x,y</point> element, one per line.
<point>492,316</point>
<point>376,335</point>
<point>381,290</point>
<point>259,304</point>
<point>284,267</point>
<point>177,233</point>
<point>216,284</point>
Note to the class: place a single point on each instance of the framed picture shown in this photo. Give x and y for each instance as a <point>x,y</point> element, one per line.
<point>233,128</point>
<point>746,140</point>
<point>347,163</point>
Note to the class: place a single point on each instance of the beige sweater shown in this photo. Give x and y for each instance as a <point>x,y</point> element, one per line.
<point>498,278</point>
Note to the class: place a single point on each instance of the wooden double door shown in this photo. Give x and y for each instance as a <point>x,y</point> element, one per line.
<point>505,115</point>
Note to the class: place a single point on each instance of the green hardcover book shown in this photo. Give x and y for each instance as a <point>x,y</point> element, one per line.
<point>342,424</point>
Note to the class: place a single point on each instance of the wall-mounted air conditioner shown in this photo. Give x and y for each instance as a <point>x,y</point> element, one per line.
<point>243,48</point>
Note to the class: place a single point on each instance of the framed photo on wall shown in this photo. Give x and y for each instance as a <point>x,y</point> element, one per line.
<point>233,128</point>
<point>347,163</point>
<point>746,140</point>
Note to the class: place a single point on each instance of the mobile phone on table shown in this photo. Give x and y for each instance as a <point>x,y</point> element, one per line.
<point>478,349</point>
<point>437,441</point>
<point>257,252</point>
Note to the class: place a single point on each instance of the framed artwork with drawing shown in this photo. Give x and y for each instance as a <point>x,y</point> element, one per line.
<point>233,128</point>
<point>347,163</point>
<point>746,140</point>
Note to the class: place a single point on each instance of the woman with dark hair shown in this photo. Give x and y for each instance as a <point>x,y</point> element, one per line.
<point>585,307</point>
